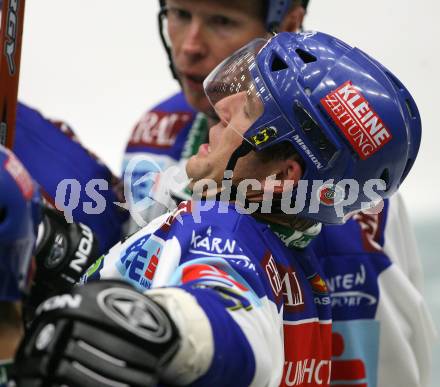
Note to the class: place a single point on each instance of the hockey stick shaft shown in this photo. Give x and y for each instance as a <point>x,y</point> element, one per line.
<point>10,45</point>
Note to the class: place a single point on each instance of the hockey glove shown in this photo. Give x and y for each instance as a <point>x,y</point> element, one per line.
<point>64,251</point>
<point>102,334</point>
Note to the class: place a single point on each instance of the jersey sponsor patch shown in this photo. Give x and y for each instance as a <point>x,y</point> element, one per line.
<point>353,285</point>
<point>211,275</point>
<point>159,129</point>
<point>139,262</point>
<point>360,124</point>
<point>355,347</point>
<point>208,243</point>
<point>318,284</point>
<point>285,284</point>
<point>307,354</point>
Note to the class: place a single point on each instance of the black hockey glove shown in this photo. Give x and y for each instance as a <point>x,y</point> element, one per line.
<point>102,334</point>
<point>63,253</point>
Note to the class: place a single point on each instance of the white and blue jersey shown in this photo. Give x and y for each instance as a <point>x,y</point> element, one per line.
<point>380,320</point>
<point>372,263</point>
<point>267,305</point>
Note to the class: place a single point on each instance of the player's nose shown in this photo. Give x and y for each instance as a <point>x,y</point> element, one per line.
<point>194,40</point>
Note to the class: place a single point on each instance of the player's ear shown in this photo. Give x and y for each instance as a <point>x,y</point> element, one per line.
<point>288,169</point>
<point>293,20</point>
<point>287,175</point>
<point>291,170</point>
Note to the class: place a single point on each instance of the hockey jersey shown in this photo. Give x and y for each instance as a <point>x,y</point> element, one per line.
<point>267,305</point>
<point>371,261</point>
<point>380,320</point>
<point>51,153</point>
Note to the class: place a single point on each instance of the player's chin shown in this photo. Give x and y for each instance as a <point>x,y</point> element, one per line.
<point>203,168</point>
<point>195,167</point>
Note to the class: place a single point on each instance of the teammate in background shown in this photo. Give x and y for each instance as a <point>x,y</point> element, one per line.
<point>18,220</point>
<point>227,302</point>
<point>51,153</point>
<point>197,35</point>
<point>370,261</point>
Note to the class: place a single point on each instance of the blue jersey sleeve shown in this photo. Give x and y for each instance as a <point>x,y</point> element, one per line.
<point>52,154</point>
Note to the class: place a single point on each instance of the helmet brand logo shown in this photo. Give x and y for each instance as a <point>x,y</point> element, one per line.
<point>264,135</point>
<point>360,124</point>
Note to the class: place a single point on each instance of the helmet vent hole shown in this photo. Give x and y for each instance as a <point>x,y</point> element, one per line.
<point>278,64</point>
<point>385,176</point>
<point>323,148</point>
<point>305,56</point>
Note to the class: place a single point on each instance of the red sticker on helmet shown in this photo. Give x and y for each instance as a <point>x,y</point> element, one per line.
<point>360,124</point>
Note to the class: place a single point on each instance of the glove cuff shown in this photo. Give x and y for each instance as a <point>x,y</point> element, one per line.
<point>196,349</point>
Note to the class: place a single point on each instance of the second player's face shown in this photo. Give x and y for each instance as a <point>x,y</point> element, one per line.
<point>203,33</point>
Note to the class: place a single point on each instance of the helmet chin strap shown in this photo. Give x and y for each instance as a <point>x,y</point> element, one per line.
<point>304,234</point>
<point>160,17</point>
<point>244,148</point>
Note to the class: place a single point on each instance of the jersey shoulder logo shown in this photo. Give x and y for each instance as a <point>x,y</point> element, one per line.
<point>159,129</point>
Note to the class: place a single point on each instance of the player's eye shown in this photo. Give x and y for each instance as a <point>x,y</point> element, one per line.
<point>178,14</point>
<point>222,21</point>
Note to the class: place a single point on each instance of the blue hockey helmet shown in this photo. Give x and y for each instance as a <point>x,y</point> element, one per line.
<point>19,216</point>
<point>353,123</point>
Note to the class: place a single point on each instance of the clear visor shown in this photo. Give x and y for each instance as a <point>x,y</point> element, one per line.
<point>232,88</point>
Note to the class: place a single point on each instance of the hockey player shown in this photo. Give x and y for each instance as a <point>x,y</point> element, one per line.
<point>226,301</point>
<point>197,36</point>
